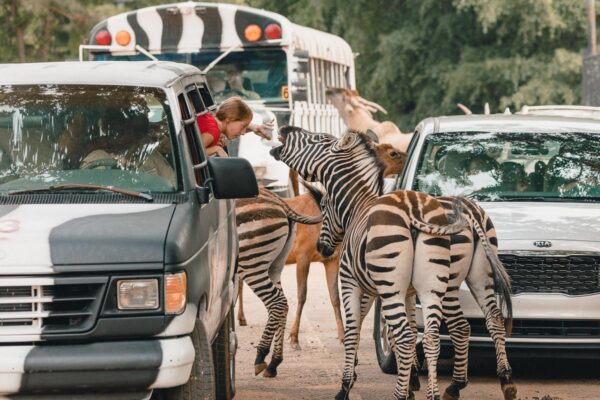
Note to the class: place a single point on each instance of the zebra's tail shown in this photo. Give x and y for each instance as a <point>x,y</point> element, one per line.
<point>502,286</point>
<point>457,222</point>
<point>289,212</point>
<point>300,218</point>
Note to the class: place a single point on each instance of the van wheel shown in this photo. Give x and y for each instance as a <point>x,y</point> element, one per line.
<point>224,349</point>
<point>201,384</point>
<point>383,346</point>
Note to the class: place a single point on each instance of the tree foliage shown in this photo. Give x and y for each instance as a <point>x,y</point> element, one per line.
<point>416,57</point>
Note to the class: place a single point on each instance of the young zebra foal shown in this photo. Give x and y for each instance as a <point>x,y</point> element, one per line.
<point>348,169</point>
<point>265,232</point>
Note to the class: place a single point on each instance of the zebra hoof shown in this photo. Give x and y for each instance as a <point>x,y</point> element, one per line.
<point>270,373</point>
<point>411,395</point>
<point>510,391</point>
<point>258,368</point>
<point>451,393</point>
<point>342,395</point>
<point>415,383</point>
<point>448,396</point>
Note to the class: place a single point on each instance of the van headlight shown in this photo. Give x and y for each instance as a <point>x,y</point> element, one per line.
<point>138,294</point>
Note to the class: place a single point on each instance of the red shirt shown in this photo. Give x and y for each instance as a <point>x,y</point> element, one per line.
<point>208,124</point>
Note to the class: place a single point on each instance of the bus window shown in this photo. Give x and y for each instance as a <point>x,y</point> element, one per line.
<point>252,74</point>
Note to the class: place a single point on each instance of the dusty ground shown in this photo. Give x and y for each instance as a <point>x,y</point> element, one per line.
<point>315,371</point>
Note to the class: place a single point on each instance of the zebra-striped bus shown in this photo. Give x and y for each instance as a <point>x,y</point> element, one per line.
<point>280,68</point>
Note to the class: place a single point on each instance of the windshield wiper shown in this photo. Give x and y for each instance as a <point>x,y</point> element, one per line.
<point>58,188</point>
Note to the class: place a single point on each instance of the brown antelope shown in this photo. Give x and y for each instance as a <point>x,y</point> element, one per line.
<point>304,250</point>
<point>357,114</point>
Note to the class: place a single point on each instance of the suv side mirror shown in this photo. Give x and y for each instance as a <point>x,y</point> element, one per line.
<point>232,178</point>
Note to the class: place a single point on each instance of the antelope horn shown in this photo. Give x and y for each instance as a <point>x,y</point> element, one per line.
<point>371,104</point>
<point>464,109</point>
<point>356,104</point>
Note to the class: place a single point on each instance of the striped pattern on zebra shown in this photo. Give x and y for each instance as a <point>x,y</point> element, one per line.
<point>350,171</point>
<point>265,232</point>
<point>474,257</point>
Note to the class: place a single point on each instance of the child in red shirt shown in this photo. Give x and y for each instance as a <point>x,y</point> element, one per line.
<point>233,119</point>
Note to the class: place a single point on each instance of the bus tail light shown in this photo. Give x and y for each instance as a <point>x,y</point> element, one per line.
<point>273,31</point>
<point>103,38</point>
<point>252,33</point>
<point>123,38</point>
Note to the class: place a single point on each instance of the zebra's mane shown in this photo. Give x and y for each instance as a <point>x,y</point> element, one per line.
<point>315,192</point>
<point>369,146</point>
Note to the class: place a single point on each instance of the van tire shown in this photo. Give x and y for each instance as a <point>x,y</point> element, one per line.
<point>201,384</point>
<point>224,358</point>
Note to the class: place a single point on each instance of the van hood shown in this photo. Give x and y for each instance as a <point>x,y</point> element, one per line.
<point>36,238</point>
<point>538,221</point>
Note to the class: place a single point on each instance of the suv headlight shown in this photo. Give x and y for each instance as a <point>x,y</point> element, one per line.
<point>138,294</point>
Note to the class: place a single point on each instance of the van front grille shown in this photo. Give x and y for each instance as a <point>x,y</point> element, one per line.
<point>49,305</point>
<point>572,275</point>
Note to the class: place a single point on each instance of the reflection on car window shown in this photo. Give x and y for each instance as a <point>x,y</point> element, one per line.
<point>511,165</point>
<point>85,134</point>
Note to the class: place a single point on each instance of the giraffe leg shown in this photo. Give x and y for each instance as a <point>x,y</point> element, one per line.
<point>241,316</point>
<point>331,273</point>
<point>302,270</point>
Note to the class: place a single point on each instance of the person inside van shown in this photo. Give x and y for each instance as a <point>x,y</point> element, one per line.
<point>232,119</point>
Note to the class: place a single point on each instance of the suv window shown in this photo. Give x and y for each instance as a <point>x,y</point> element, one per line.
<point>117,136</point>
<point>511,165</point>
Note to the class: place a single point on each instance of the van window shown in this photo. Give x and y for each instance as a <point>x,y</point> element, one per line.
<point>197,102</point>
<point>192,138</point>
<point>104,135</point>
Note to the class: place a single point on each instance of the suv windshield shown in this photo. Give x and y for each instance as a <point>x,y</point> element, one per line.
<point>253,74</point>
<point>54,135</point>
<point>495,166</point>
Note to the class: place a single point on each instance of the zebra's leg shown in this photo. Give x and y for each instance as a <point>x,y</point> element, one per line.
<point>481,284</point>
<point>460,331</point>
<point>351,297</point>
<point>411,309</point>
<point>276,304</point>
<point>331,273</point>
<point>302,269</point>
<point>461,257</point>
<point>394,312</point>
<point>278,340</point>
<point>430,279</point>
<point>241,316</point>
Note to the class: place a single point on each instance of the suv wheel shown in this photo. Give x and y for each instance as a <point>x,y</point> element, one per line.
<point>383,344</point>
<point>224,349</point>
<point>201,384</point>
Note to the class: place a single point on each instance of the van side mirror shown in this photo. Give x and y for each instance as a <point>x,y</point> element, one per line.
<point>232,178</point>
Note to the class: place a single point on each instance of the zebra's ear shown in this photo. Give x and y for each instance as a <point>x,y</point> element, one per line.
<point>372,136</point>
<point>347,140</point>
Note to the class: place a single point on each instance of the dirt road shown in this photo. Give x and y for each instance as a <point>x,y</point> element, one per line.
<point>315,371</point>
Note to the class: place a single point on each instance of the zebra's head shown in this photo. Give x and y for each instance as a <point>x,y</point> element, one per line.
<point>325,158</point>
<point>332,231</point>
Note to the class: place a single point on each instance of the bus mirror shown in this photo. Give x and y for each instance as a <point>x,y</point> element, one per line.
<point>302,67</point>
<point>299,94</point>
<point>301,54</point>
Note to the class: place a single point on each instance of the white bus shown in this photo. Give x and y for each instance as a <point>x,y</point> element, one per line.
<point>280,68</point>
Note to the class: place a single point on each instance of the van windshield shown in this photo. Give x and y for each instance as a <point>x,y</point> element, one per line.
<point>54,135</point>
<point>511,166</point>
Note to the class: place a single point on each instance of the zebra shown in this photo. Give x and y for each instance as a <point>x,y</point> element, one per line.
<point>265,232</point>
<point>474,258</point>
<point>350,171</point>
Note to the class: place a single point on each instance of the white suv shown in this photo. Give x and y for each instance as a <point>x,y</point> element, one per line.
<point>538,177</point>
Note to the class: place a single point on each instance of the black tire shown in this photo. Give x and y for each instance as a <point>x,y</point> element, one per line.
<point>201,385</point>
<point>385,356</point>
<point>224,357</point>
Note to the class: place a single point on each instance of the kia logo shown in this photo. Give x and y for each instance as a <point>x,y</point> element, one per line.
<point>542,243</point>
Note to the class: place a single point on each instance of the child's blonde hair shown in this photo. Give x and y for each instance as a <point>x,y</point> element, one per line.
<point>234,109</point>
